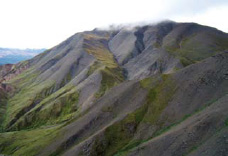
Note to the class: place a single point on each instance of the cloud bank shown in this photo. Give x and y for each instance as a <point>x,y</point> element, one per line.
<point>45,23</point>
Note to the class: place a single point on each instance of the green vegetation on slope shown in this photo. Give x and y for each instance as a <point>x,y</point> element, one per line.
<point>33,103</point>
<point>158,98</point>
<point>106,63</point>
<point>192,48</point>
<point>27,142</point>
<point>96,65</point>
<point>135,143</point>
<point>3,101</point>
<point>119,134</point>
<point>24,100</point>
<point>95,45</point>
<point>110,78</point>
<point>59,107</point>
<point>118,137</point>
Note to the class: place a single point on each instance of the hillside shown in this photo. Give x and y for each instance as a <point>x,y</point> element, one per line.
<point>158,89</point>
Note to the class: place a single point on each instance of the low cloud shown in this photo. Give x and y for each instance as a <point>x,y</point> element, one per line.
<point>38,24</point>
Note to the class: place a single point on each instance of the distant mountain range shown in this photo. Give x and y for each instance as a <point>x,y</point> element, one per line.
<point>11,56</point>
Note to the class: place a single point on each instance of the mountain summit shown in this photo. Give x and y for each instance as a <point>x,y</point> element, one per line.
<point>150,90</point>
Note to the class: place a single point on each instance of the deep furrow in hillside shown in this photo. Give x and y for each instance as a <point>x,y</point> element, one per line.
<point>193,129</point>
<point>53,61</point>
<point>165,131</point>
<point>100,115</point>
<point>45,92</point>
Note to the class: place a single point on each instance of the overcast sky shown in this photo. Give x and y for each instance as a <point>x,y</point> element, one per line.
<point>45,23</point>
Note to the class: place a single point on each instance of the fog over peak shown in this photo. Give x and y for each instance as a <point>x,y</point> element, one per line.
<point>45,23</point>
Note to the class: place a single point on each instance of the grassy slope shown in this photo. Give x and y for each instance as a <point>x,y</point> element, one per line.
<point>48,108</point>
<point>59,107</point>
<point>27,142</point>
<point>106,63</point>
<point>118,137</point>
<point>3,99</point>
<point>136,143</point>
<point>198,45</point>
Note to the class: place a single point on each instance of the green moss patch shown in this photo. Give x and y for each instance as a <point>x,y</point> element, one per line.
<point>159,94</point>
<point>95,46</point>
<point>25,100</point>
<point>197,46</point>
<point>57,108</point>
<point>119,134</point>
<point>27,142</point>
<point>3,104</point>
<point>135,143</point>
<point>110,78</point>
<point>226,122</point>
<point>112,74</point>
<point>149,82</point>
<point>96,65</point>
<point>158,98</point>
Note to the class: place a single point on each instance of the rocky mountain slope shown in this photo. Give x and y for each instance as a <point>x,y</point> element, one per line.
<point>157,89</point>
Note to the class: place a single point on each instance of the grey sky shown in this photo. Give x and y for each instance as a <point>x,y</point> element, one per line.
<point>45,23</point>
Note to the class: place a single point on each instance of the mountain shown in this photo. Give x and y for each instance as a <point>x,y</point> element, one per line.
<point>12,56</point>
<point>158,89</point>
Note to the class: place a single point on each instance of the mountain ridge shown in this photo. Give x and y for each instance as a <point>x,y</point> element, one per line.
<point>106,92</point>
